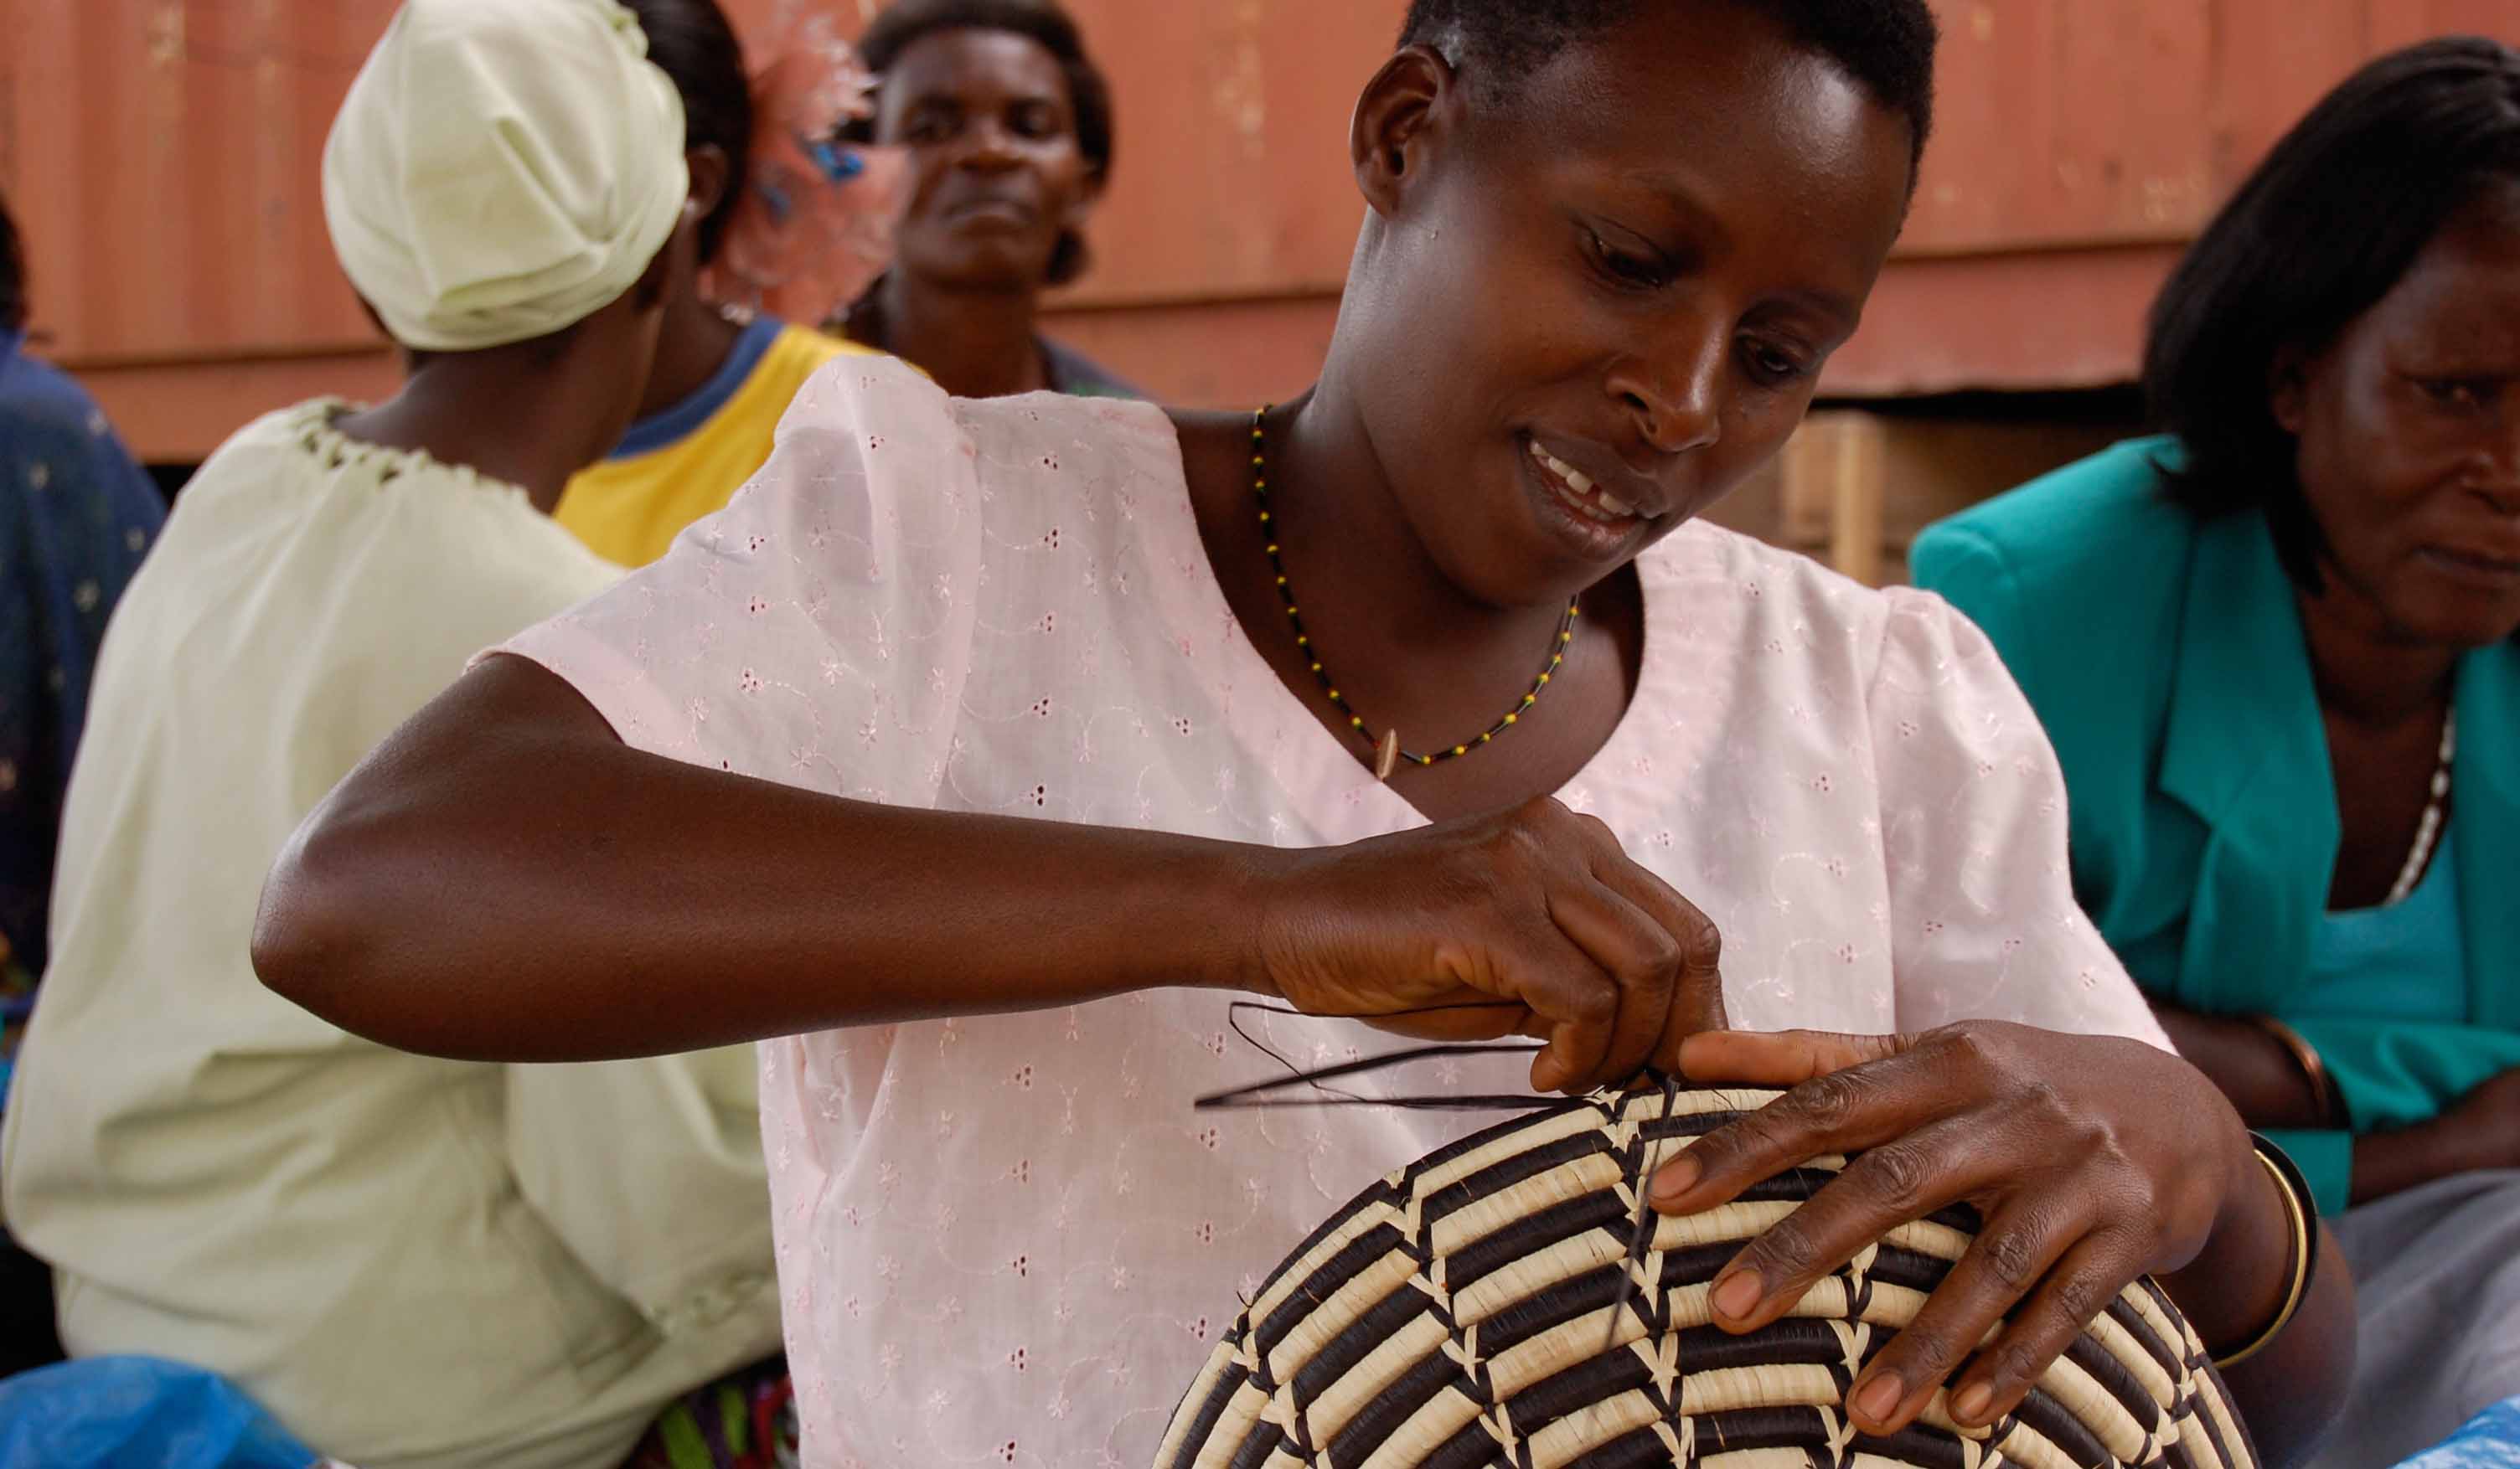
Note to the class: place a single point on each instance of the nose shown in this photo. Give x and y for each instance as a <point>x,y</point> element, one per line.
<point>1675,397</point>
<point>988,146</point>
<point>2494,475</point>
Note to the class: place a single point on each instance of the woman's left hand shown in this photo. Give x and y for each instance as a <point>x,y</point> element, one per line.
<point>2091,1161</point>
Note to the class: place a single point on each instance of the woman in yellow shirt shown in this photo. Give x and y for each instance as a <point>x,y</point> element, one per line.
<point>724,374</point>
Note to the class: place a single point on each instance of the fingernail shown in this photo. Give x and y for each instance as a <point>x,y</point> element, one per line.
<point>1676,1178</point>
<point>1974,1404</point>
<point>1738,1294</point>
<point>1878,1399</point>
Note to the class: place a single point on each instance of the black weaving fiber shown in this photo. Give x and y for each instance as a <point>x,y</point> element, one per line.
<point>1505,1301</point>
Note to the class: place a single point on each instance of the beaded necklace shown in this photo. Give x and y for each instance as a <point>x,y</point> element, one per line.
<point>1388,754</point>
<point>2428,831</point>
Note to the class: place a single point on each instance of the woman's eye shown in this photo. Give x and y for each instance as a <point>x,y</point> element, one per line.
<point>1629,269</point>
<point>1036,122</point>
<point>1771,367</point>
<point>2461,393</point>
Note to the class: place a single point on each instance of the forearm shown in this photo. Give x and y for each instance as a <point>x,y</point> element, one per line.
<point>2236,1286</point>
<point>2263,1082</point>
<point>2393,1161</point>
<point>503,879</point>
<point>2290,1392</point>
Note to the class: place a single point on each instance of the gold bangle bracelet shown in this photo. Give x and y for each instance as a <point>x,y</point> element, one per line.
<point>2322,1087</point>
<point>2303,1221</point>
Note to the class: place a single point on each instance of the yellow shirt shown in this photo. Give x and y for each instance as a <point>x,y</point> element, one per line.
<point>675,466</point>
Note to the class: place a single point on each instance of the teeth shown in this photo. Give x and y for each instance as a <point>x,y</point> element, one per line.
<point>1609,507</point>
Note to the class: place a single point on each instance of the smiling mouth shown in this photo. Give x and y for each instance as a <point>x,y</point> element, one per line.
<point>1577,491</point>
<point>2475,561</point>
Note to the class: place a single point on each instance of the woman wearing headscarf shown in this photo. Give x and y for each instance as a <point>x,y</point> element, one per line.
<point>409,1261</point>
<point>2275,648</point>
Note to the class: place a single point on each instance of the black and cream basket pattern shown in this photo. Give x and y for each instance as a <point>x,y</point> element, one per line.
<point>1483,1308</point>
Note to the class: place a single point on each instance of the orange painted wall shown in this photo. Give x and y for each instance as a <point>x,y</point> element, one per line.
<point>161,156</point>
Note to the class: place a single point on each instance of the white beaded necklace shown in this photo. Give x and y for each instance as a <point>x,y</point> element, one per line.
<point>2429,830</point>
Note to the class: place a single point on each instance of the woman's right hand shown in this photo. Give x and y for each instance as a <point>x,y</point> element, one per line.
<point>2479,1131</point>
<point>1531,921</point>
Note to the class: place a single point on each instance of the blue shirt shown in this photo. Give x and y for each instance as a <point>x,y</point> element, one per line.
<point>2407,962</point>
<point>76,514</point>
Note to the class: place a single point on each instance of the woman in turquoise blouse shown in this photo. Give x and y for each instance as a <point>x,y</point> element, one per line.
<point>2276,651</point>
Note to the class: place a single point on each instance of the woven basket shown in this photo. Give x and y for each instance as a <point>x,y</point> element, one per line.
<point>1466,1313</point>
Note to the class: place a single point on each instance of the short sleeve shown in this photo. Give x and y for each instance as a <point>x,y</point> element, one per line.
<point>818,631</point>
<point>1969,572</point>
<point>1984,924</point>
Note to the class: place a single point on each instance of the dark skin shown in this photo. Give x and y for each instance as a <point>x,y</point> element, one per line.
<point>1649,309</point>
<point>696,338</point>
<point>2409,434</point>
<point>997,178</point>
<point>532,413</point>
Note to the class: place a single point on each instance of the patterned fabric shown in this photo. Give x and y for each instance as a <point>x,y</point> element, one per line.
<point>2489,1441</point>
<point>1512,1300</point>
<point>745,1421</point>
<point>1007,1239</point>
<point>76,514</point>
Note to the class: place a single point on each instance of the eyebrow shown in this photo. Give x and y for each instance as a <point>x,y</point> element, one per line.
<point>1674,193</point>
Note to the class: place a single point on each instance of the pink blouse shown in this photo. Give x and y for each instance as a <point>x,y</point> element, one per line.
<point>1008,1240</point>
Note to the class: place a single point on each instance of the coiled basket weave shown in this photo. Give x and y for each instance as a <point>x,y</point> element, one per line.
<point>1467,1313</point>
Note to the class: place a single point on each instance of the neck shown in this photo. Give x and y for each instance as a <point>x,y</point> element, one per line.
<point>1388,617</point>
<point>976,343</point>
<point>496,415</point>
<point>2367,670</point>
<point>692,344</point>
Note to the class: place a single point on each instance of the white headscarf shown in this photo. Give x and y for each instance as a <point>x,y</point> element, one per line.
<point>502,168</point>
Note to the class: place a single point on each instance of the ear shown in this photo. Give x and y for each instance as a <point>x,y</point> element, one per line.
<point>2289,387</point>
<point>1393,132</point>
<point>712,173</point>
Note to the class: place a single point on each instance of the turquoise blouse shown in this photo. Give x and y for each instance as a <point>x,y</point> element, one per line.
<point>2165,655</point>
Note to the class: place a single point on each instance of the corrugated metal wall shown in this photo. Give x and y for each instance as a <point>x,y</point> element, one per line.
<point>161,156</point>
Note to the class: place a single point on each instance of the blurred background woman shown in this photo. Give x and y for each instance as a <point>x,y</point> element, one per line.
<point>1009,127</point>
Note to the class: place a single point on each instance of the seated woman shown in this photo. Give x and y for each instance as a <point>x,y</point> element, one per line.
<point>2275,651</point>
<point>724,373</point>
<point>408,1260</point>
<point>1009,128</point>
<point>982,752</point>
<point>76,514</point>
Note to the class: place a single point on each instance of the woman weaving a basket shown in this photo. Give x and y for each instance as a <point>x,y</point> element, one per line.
<point>979,745</point>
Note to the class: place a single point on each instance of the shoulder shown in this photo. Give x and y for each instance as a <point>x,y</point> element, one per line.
<point>889,416</point>
<point>45,414</point>
<point>803,349</point>
<point>1806,626</point>
<point>2094,523</point>
<point>1079,375</point>
<point>1719,575</point>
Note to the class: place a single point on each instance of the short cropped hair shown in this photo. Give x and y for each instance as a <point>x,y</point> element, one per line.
<point>1887,46</point>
